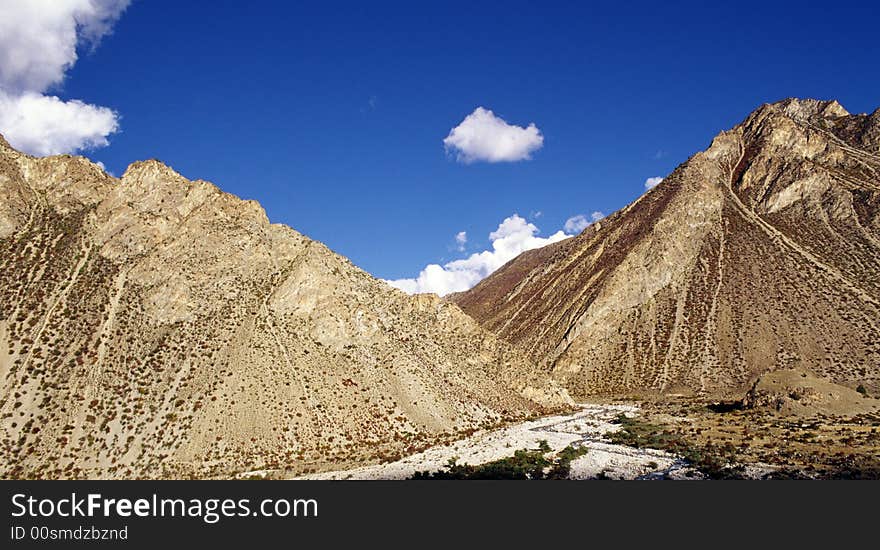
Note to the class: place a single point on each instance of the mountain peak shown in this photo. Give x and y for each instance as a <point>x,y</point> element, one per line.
<point>247,345</point>
<point>150,169</point>
<point>810,109</point>
<point>3,143</point>
<point>757,254</point>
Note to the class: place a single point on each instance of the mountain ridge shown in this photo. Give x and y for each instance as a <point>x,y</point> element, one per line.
<point>153,326</point>
<point>652,298</point>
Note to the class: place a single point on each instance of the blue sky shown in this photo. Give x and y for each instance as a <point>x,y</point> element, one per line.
<point>333,115</point>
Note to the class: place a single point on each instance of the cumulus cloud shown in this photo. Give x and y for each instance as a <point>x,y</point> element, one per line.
<point>576,224</point>
<point>513,236</point>
<point>482,136</point>
<point>461,240</point>
<point>46,125</point>
<point>651,183</point>
<point>38,45</point>
<point>38,38</point>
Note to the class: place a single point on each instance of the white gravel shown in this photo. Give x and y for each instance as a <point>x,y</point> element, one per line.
<point>585,427</point>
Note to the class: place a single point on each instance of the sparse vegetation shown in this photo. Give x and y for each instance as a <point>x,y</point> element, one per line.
<point>524,464</point>
<point>813,445</point>
<point>152,336</point>
<point>713,461</point>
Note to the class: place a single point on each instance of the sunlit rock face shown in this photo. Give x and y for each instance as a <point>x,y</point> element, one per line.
<point>152,326</point>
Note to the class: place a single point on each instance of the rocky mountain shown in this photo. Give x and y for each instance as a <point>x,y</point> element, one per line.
<point>760,253</point>
<point>152,326</point>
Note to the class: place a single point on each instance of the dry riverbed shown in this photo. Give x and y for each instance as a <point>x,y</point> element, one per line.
<point>585,428</point>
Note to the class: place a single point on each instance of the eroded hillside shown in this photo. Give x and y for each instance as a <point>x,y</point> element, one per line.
<point>153,326</point>
<point>760,253</point>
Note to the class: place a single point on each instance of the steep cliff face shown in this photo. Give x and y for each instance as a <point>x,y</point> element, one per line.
<point>761,252</point>
<point>153,326</point>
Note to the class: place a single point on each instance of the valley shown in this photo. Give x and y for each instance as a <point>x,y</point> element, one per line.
<point>722,325</point>
<point>676,437</point>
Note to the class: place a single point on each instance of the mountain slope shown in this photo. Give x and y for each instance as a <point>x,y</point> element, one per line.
<point>761,252</point>
<point>153,326</point>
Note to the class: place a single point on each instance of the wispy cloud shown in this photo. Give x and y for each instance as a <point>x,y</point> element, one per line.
<point>482,136</point>
<point>651,183</point>
<point>370,105</point>
<point>576,224</point>
<point>38,45</point>
<point>461,240</point>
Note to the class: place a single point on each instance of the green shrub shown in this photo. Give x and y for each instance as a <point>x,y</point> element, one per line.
<point>713,461</point>
<point>524,464</point>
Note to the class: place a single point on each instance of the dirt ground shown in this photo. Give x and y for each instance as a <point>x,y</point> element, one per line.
<point>790,425</point>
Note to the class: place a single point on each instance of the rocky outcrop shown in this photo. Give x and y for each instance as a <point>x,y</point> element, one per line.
<point>760,253</point>
<point>152,326</point>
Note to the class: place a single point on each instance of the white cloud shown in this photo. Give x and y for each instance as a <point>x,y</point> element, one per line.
<point>482,136</point>
<point>513,236</point>
<point>38,45</point>
<point>103,167</point>
<point>46,125</point>
<point>651,183</point>
<point>38,38</point>
<point>461,240</point>
<point>576,224</point>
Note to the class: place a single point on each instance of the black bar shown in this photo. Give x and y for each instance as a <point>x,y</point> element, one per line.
<point>463,513</point>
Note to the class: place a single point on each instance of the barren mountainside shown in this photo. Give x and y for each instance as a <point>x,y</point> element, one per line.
<point>152,326</point>
<point>760,253</point>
